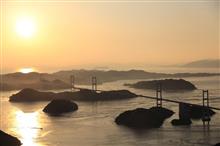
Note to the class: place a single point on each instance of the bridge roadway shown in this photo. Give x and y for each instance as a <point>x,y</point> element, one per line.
<point>155,98</point>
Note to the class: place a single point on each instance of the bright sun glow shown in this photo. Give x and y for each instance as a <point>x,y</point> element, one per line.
<point>28,127</point>
<point>25,27</point>
<point>26,70</point>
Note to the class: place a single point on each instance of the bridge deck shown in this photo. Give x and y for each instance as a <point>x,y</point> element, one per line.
<point>175,101</point>
<point>164,99</point>
<point>79,88</point>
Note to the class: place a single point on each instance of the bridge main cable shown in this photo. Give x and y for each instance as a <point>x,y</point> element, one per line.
<point>155,98</point>
<point>159,94</point>
<point>174,101</point>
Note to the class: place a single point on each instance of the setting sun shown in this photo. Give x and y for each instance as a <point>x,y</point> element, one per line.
<point>25,27</point>
<point>26,70</point>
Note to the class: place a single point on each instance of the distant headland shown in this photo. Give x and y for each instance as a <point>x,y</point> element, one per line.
<point>208,63</point>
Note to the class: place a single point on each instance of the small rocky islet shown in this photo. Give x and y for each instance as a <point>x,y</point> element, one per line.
<point>60,106</point>
<point>144,118</point>
<point>166,85</point>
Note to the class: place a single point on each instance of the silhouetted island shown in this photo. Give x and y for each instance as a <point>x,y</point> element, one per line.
<point>144,118</point>
<point>181,122</point>
<point>60,106</point>
<point>31,95</point>
<point>167,84</point>
<point>8,140</point>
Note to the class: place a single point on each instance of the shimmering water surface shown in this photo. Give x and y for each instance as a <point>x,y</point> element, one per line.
<point>93,124</point>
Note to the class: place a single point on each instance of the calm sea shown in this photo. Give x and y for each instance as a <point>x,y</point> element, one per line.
<point>93,124</point>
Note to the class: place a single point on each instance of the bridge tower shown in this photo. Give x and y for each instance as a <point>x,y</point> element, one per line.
<point>94,83</point>
<point>159,95</point>
<point>72,82</point>
<point>205,102</point>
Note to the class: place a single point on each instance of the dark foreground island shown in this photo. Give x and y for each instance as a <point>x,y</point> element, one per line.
<point>8,140</point>
<point>57,107</point>
<point>167,85</point>
<point>144,118</point>
<point>31,95</point>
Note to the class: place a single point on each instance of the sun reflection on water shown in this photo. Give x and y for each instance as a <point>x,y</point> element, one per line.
<point>28,127</point>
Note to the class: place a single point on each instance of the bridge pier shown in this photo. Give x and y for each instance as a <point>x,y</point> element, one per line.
<point>159,95</point>
<point>72,82</point>
<point>94,83</point>
<point>205,102</point>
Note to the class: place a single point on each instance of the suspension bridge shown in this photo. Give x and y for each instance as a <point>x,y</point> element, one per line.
<point>159,98</point>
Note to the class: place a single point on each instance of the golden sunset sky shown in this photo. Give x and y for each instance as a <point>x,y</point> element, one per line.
<point>56,35</point>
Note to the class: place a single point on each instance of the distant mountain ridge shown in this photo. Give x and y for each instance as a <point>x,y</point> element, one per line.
<point>215,63</point>
<point>61,79</point>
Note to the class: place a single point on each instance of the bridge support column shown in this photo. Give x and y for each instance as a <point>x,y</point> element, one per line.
<point>159,95</point>
<point>184,111</point>
<point>94,83</point>
<point>205,102</point>
<point>72,82</point>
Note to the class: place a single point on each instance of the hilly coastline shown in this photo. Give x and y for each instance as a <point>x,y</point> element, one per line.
<point>61,79</point>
